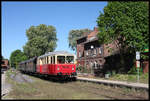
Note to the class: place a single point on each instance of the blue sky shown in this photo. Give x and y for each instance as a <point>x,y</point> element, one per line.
<point>17,17</point>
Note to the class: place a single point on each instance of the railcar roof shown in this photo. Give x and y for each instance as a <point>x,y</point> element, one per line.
<point>28,60</point>
<point>56,53</point>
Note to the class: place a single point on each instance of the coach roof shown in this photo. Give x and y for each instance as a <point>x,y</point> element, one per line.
<point>32,59</point>
<point>56,53</point>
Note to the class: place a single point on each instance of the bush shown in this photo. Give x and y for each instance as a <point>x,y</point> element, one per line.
<point>79,68</point>
<point>113,73</point>
<point>83,69</point>
<point>133,70</point>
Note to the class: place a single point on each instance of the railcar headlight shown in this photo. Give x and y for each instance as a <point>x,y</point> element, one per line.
<point>58,68</point>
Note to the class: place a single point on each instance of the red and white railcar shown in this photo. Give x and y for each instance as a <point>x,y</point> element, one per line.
<point>59,63</point>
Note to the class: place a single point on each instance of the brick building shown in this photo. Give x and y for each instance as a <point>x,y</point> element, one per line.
<point>5,64</point>
<point>91,54</point>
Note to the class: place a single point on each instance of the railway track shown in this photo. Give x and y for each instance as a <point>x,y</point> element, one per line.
<point>111,93</point>
<point>118,93</point>
<point>108,92</point>
<point>84,88</point>
<point>94,89</point>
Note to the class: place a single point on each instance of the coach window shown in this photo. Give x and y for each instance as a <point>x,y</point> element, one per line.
<point>70,59</point>
<point>51,60</point>
<point>54,59</point>
<point>37,61</point>
<point>45,60</point>
<point>60,59</point>
<point>40,61</point>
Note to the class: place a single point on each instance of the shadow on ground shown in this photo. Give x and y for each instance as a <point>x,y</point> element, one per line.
<point>53,79</point>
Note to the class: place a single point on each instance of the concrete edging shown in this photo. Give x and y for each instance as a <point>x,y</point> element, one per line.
<point>116,83</point>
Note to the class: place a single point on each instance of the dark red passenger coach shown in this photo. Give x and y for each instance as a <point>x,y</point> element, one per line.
<point>58,64</point>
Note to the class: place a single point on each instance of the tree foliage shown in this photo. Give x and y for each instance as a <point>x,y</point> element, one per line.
<point>16,57</point>
<point>127,22</point>
<point>74,35</point>
<point>41,39</point>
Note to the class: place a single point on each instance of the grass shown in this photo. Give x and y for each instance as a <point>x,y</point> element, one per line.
<point>143,78</point>
<point>45,89</point>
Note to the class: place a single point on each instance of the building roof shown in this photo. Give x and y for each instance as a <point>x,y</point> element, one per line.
<point>90,35</point>
<point>56,53</point>
<point>91,39</point>
<point>81,37</point>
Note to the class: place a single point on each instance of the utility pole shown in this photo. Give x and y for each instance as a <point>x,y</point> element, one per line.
<point>138,65</point>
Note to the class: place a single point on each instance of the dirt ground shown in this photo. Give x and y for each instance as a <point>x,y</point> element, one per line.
<point>47,89</point>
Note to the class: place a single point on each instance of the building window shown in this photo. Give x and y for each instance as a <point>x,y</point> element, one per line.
<point>95,64</point>
<point>91,64</point>
<point>100,51</point>
<point>87,53</point>
<point>94,51</point>
<point>79,54</point>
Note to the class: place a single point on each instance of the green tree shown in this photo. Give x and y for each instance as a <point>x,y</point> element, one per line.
<point>16,57</point>
<point>127,22</point>
<point>41,39</point>
<point>74,35</point>
<point>2,57</point>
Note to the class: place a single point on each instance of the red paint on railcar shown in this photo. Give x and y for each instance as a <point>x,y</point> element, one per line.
<point>54,69</point>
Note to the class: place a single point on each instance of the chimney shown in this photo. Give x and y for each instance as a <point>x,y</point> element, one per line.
<point>95,29</point>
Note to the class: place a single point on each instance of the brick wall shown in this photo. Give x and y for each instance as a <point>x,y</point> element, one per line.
<point>145,66</point>
<point>80,48</point>
<point>110,49</point>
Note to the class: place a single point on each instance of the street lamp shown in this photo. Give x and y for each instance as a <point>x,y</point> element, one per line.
<point>92,47</point>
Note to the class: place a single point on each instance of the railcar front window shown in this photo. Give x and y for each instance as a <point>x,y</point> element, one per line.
<point>69,59</point>
<point>60,59</point>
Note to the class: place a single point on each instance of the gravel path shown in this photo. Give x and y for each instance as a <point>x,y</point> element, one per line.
<point>20,78</point>
<point>5,86</point>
